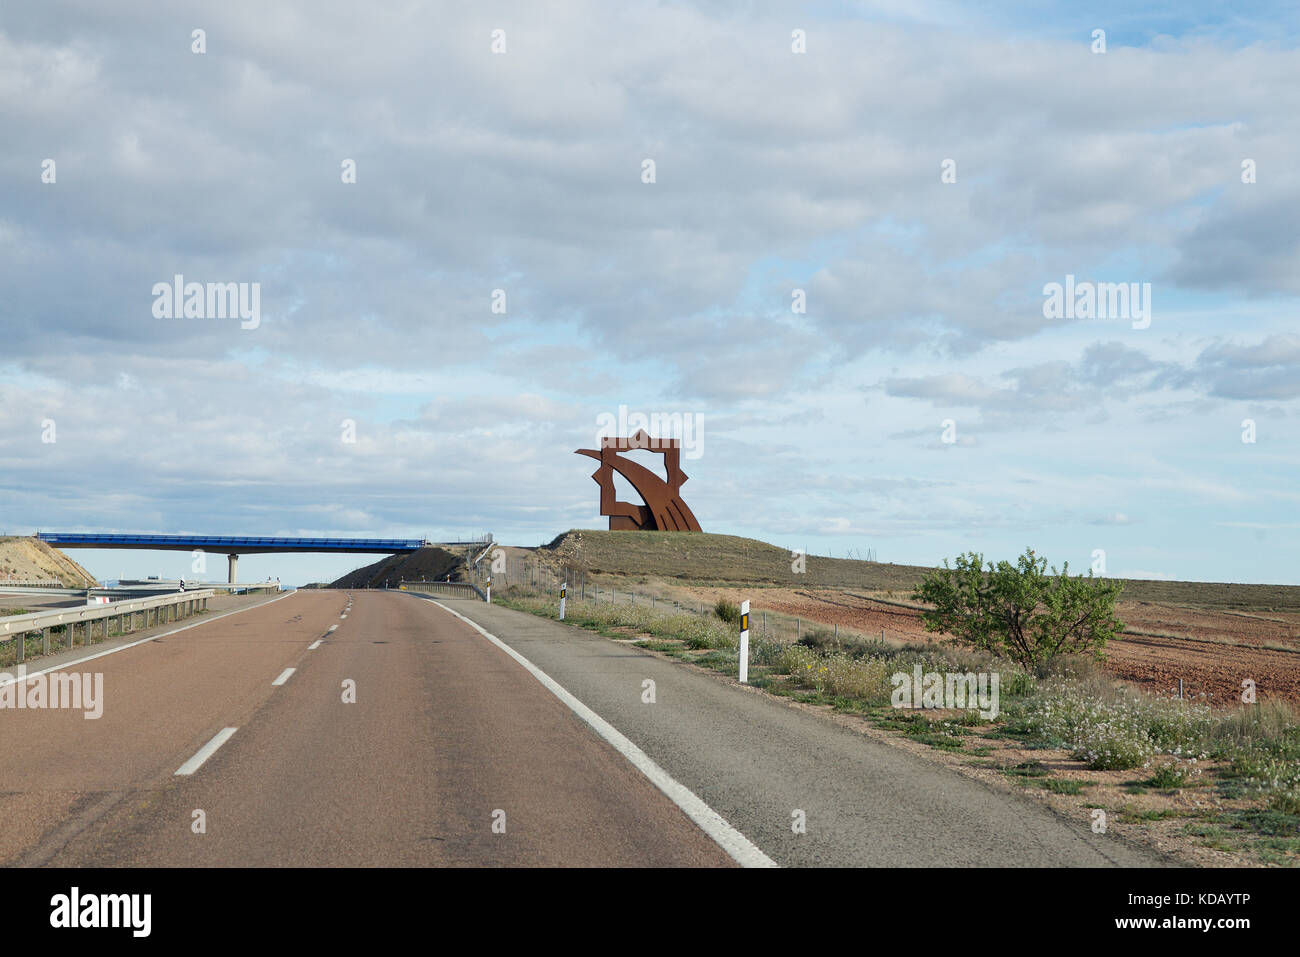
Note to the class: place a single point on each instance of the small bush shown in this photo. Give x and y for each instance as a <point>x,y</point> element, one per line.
<point>728,611</point>
<point>1177,774</point>
<point>1020,611</point>
<point>1118,750</point>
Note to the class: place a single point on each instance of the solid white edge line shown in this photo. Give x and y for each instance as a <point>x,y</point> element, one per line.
<point>739,847</point>
<point>285,675</point>
<point>315,644</point>
<point>205,752</point>
<point>112,651</point>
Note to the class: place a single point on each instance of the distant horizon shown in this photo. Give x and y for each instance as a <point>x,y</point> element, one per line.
<point>175,561</point>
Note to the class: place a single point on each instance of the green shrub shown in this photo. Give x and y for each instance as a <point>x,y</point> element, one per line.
<point>1019,611</point>
<point>1119,750</point>
<point>1176,774</point>
<point>728,611</point>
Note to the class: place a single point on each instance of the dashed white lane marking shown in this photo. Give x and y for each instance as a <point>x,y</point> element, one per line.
<point>315,644</point>
<point>284,676</point>
<point>742,851</point>
<point>332,628</point>
<point>341,617</point>
<point>205,752</point>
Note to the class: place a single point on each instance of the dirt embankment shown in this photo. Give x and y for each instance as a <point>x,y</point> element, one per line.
<point>427,564</point>
<point>30,559</point>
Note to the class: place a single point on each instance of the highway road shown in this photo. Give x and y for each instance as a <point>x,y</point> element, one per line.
<point>319,729</point>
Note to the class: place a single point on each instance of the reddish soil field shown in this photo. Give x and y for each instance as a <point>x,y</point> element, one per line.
<point>1212,651</point>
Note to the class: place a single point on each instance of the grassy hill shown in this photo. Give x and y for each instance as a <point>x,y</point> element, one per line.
<point>702,557</point>
<point>728,559</point>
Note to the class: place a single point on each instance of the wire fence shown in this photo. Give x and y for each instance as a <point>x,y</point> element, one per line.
<point>531,577</point>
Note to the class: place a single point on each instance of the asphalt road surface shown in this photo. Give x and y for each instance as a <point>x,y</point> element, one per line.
<point>384,729</point>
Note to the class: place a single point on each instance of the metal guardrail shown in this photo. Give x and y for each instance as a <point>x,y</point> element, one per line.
<point>144,584</point>
<point>163,607</point>
<point>479,557</point>
<point>444,589</point>
<point>119,593</point>
<point>31,583</point>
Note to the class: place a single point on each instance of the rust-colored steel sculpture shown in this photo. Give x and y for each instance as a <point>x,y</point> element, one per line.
<point>664,510</point>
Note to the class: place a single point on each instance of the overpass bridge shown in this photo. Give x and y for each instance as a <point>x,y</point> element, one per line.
<point>232,546</point>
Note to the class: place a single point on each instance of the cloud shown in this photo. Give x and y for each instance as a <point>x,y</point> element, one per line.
<point>522,172</point>
<point>1114,518</point>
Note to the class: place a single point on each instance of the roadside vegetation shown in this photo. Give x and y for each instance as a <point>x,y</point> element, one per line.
<point>1227,778</point>
<point>1019,611</point>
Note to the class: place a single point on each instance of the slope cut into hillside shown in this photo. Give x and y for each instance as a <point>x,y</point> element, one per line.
<point>427,564</point>
<point>30,559</point>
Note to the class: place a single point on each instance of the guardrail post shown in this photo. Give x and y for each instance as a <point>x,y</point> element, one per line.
<point>22,646</point>
<point>45,641</point>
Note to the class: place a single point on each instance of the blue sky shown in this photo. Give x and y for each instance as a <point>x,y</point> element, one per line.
<point>775,172</point>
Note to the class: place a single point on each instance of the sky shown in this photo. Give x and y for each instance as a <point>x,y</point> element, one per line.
<point>837,273</point>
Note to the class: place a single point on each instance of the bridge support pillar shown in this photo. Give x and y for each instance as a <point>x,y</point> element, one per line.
<point>234,565</point>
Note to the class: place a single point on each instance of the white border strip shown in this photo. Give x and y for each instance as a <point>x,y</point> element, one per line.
<point>739,847</point>
<point>205,752</point>
<point>132,644</point>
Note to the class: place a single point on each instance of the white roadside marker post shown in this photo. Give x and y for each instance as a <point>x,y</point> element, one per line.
<point>488,599</point>
<point>744,641</point>
<point>563,589</point>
